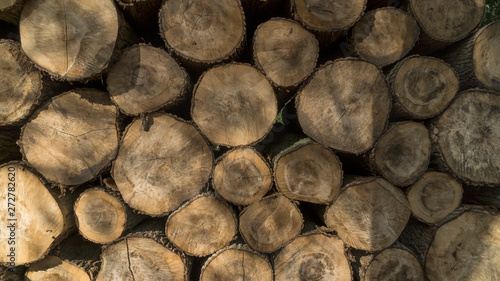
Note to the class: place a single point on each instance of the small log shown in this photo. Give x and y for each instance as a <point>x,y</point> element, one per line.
<point>369,214</point>
<point>402,153</point>
<point>237,263</point>
<point>285,51</point>
<point>10,10</point>
<point>146,79</point>
<point>71,138</point>
<point>466,138</point>
<point>37,218</point>
<point>308,171</point>
<point>202,33</point>
<point>476,59</point>
<point>433,197</point>
<point>266,225</point>
<point>20,83</point>
<point>158,169</point>
<point>345,105</point>
<point>242,176</point>
<point>73,40</point>
<point>202,226</point>
<point>102,216</point>
<point>234,105</point>
<point>422,87</point>
<point>384,36</point>
<point>314,256</point>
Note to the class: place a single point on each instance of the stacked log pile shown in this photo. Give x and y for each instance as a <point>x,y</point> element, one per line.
<point>249,140</point>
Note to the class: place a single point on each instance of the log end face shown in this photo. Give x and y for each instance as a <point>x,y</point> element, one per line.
<point>52,268</point>
<point>486,56</point>
<point>395,264</point>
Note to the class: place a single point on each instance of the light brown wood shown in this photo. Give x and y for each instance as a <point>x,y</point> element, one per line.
<point>36,218</point>
<point>234,105</point>
<point>385,35</point>
<point>242,176</point>
<point>433,197</point>
<point>345,105</point>
<point>308,171</point>
<point>146,79</point>
<point>402,154</point>
<point>159,169</point>
<point>54,268</point>
<point>313,257</point>
<point>238,263</point>
<point>266,225</point>
<point>10,10</point>
<point>422,87</point>
<point>285,51</point>
<point>369,214</point>
<point>203,32</point>
<point>73,137</point>
<point>394,263</point>
<point>20,83</point>
<point>466,138</point>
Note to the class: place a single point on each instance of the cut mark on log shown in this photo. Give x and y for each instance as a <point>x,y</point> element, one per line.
<point>128,260</point>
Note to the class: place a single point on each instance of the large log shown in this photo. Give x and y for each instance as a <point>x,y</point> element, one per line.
<point>466,138</point>
<point>234,105</point>
<point>158,169</point>
<point>146,79</point>
<point>72,138</point>
<point>73,40</point>
<point>10,10</point>
<point>9,150</point>
<point>385,35</point>
<point>476,58</point>
<point>345,105</point>
<point>422,87</point>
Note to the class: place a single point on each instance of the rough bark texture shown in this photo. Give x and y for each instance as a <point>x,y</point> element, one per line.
<point>344,105</point>
<point>10,10</point>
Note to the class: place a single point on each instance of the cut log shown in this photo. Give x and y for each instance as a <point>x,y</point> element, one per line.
<point>285,51</point>
<point>433,197</point>
<point>327,19</point>
<point>444,22</point>
<point>20,83</point>
<point>36,217</point>
<point>146,79</point>
<point>369,214</point>
<point>242,176</point>
<point>201,32</point>
<point>234,105</point>
<point>385,35</point>
<point>313,257</point>
<point>159,169</point>
<point>422,87</point>
<point>9,150</point>
<point>74,259</point>
<point>476,59</point>
<point>73,40</point>
<point>308,171</point>
<point>237,263</point>
<point>466,138</point>
<point>202,226</point>
<point>71,138</point>
<point>102,216</point>
<point>10,10</point>
<point>345,105</point>
<point>266,225</point>
<point>402,154</point>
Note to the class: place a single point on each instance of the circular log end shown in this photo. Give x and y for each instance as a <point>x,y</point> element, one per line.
<point>486,56</point>
<point>395,264</point>
<point>53,268</point>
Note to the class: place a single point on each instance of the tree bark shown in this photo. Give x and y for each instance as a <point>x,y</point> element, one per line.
<point>146,79</point>
<point>422,87</point>
<point>234,105</point>
<point>476,59</point>
<point>433,197</point>
<point>402,153</point>
<point>10,10</point>
<point>369,214</point>
<point>384,36</point>
<point>308,171</point>
<point>314,256</point>
<point>266,225</point>
<point>38,218</point>
<point>466,138</point>
<point>72,138</point>
<point>188,228</point>
<point>242,176</point>
<point>345,105</point>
